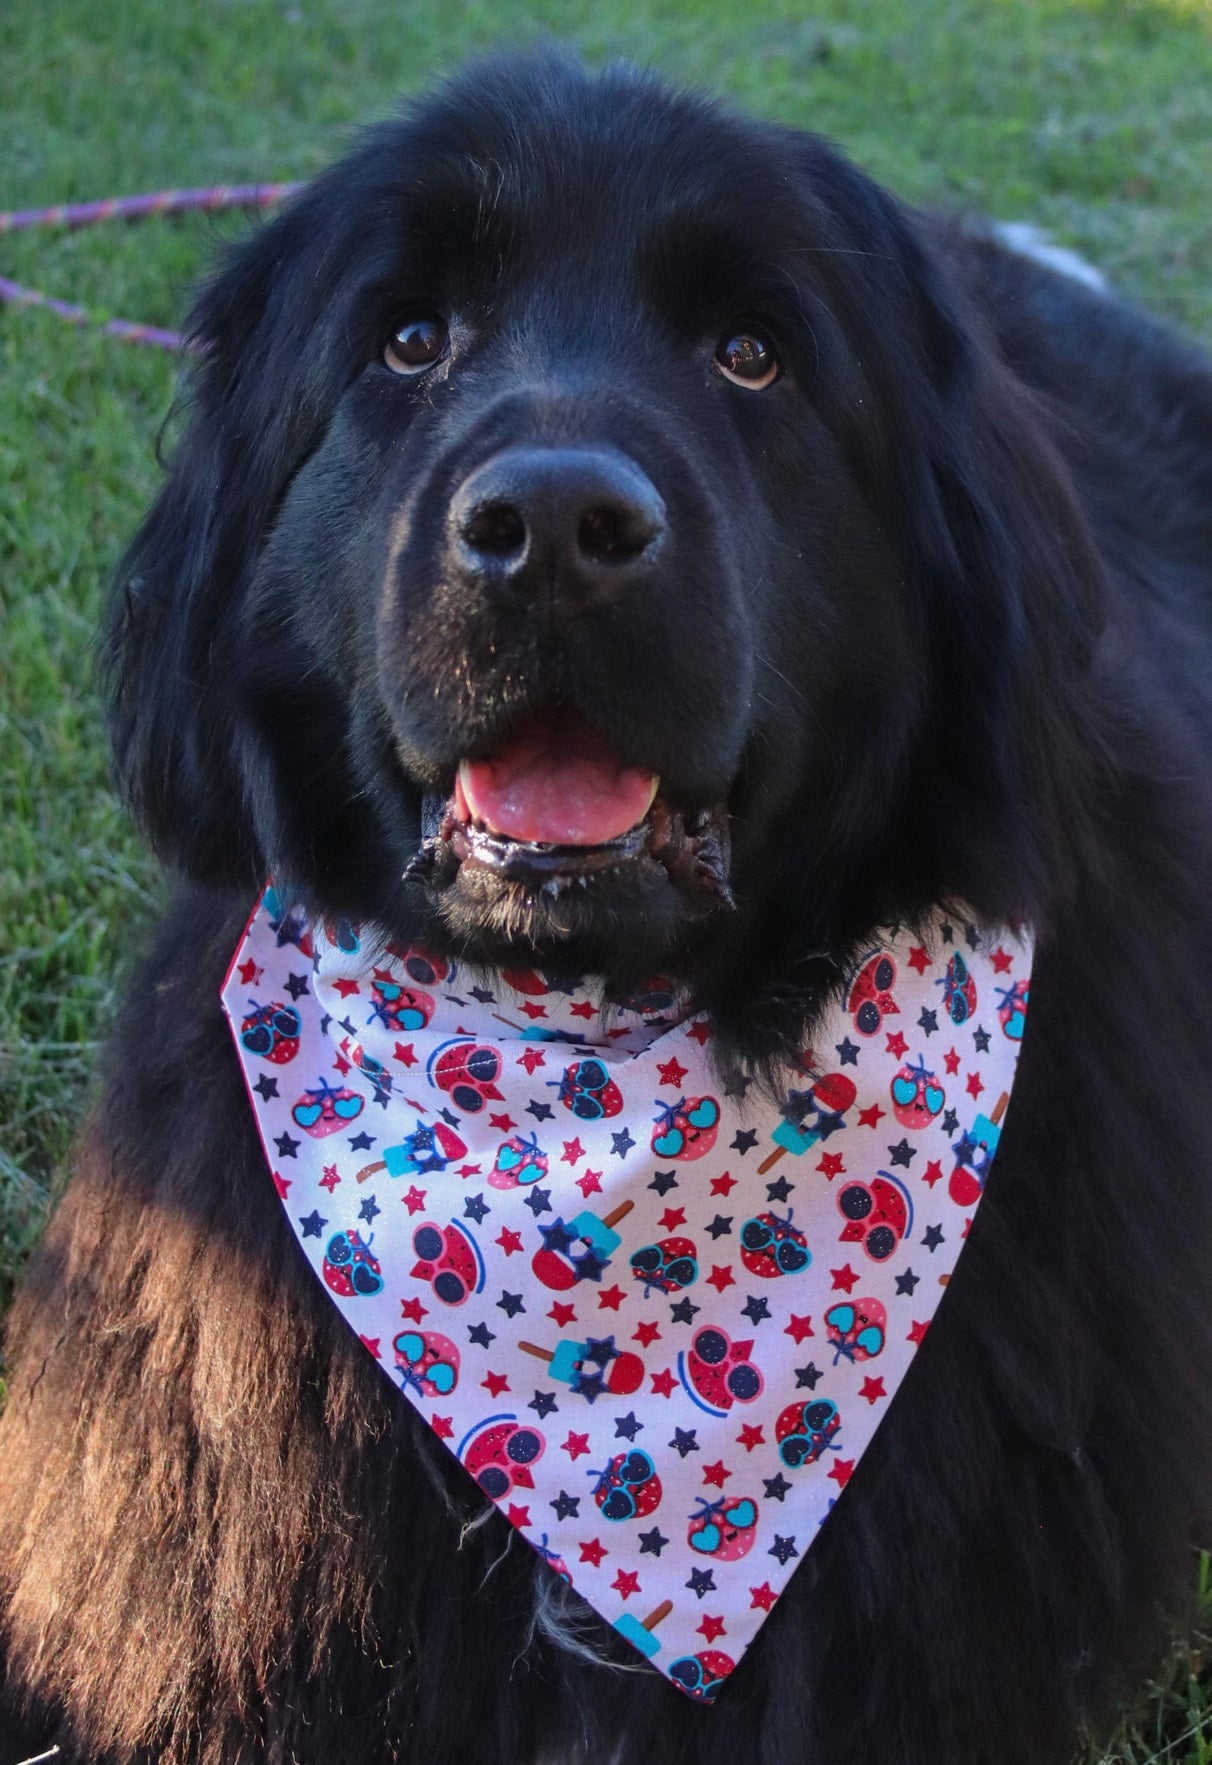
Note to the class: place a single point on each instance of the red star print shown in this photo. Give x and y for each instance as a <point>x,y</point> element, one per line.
<point>517,1516</point>
<point>831,1164</point>
<point>700,1031</point>
<point>974,1086</point>
<point>897,1045</point>
<point>495,1383</point>
<point>799,1328</point>
<point>646,1335</point>
<point>404,1054</point>
<point>576,1445</point>
<point>1001,961</point>
<point>710,1628</point>
<point>249,973</point>
<point>443,1427</point>
<point>330,1179</point>
<point>573,1152</point>
<point>469,1170</point>
<point>721,1278</point>
<point>721,1185</point>
<point>562,1314</point>
<point>282,1184</point>
<point>672,1218</point>
<point>509,1240</point>
<point>919,959</point>
<point>918,1332</point>
<point>763,1597</point>
<point>346,988</point>
<point>664,1384</point>
<point>625,1583</point>
<point>593,1552</point>
<point>531,1059</point>
<point>750,1436</point>
<point>414,1201</point>
<point>413,1309</point>
<point>534,1011</point>
<point>932,1173</point>
<point>716,1474</point>
<point>372,1343</point>
<point>503,1123</point>
<point>611,1298</point>
<point>341,1065</point>
<point>843,1279</point>
<point>869,1117</point>
<point>672,1073</point>
<point>841,1471</point>
<point>590,1184</point>
<point>951,1061</point>
<point>872,1390</point>
<point>584,1009</point>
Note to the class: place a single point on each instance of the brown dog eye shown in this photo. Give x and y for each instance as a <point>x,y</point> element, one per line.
<point>747,359</point>
<point>416,345</point>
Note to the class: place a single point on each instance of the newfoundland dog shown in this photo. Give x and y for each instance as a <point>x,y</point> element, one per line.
<point>612,537</point>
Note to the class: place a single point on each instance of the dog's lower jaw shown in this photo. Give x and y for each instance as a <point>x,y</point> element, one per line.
<point>668,872</point>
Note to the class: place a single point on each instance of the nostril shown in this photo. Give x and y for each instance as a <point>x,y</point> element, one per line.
<point>614,535</point>
<point>494,528</point>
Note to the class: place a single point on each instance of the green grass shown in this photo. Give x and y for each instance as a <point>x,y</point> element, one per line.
<point>1093,119</point>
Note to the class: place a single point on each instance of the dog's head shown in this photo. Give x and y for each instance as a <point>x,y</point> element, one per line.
<point>599,532</point>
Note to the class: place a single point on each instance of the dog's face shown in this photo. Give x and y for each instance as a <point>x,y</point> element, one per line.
<point>591,518</point>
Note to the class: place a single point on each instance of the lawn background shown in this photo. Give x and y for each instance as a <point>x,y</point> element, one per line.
<point>1091,119</point>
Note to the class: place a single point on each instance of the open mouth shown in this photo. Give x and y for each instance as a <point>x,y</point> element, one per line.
<point>554,808</point>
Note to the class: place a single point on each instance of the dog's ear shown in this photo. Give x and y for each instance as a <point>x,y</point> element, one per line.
<point>959,459</point>
<point>278,331</point>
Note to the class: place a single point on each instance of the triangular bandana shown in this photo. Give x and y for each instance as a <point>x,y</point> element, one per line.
<point>658,1324</point>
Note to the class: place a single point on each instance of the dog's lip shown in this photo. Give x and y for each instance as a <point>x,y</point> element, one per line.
<point>474,843</point>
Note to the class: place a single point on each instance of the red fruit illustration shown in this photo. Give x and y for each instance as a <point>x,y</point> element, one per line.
<point>685,1129</point>
<point>327,1110</point>
<point>718,1372</point>
<point>725,1528</point>
<point>870,999</point>
<point>628,1488</point>
<point>877,1215</point>
<point>917,1096</point>
<point>499,1453</point>
<point>271,1031</point>
<point>426,1362</point>
<point>449,1259</point>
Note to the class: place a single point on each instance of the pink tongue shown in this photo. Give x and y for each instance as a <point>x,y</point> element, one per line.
<point>556,782</point>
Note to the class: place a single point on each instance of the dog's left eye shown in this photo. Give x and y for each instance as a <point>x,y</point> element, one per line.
<point>417,344</point>
<point>747,359</point>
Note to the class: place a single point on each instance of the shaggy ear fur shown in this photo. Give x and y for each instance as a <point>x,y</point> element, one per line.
<point>280,328</point>
<point>979,778</point>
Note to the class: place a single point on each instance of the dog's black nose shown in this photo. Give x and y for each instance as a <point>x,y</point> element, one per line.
<point>578,525</point>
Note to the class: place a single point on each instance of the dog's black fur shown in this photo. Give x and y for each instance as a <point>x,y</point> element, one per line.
<point>933,616</point>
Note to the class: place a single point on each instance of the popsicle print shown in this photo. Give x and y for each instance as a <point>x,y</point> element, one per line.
<point>829,1098</point>
<point>640,1632</point>
<point>579,1249</point>
<point>974,1154</point>
<point>591,1367</point>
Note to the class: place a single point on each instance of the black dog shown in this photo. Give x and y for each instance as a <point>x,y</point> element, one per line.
<point>579,412</point>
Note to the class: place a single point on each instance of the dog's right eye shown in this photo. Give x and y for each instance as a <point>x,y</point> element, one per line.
<point>417,344</point>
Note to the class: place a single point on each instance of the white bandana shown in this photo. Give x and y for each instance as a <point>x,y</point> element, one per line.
<point>657,1324</point>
